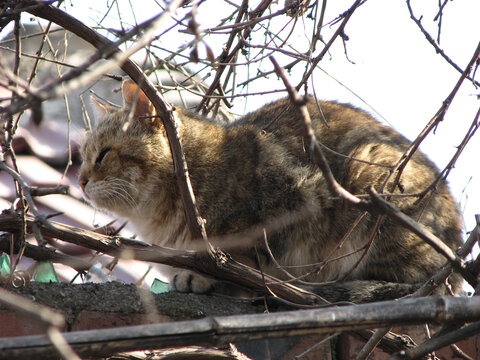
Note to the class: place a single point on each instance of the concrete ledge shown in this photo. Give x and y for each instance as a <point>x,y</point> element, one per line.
<point>99,306</point>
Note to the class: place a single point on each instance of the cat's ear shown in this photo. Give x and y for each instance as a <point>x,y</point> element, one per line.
<point>133,96</point>
<point>101,109</point>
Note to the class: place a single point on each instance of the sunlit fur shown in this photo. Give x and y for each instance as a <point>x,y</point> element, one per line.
<point>257,172</point>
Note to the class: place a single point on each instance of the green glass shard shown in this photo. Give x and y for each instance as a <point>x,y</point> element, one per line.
<point>4,265</point>
<point>159,287</point>
<point>45,273</point>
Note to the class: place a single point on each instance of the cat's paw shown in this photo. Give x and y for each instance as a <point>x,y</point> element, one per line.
<point>190,282</point>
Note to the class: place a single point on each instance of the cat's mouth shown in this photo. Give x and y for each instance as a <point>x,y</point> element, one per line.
<point>111,194</point>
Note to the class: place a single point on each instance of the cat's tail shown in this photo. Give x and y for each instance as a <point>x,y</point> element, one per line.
<point>362,291</point>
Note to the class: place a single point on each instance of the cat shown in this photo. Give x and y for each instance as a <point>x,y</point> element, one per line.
<point>257,171</point>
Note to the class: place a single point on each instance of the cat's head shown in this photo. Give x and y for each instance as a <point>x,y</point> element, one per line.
<point>125,156</point>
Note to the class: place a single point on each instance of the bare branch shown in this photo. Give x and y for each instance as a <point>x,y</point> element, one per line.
<point>451,164</point>
<point>221,267</point>
<point>338,32</point>
<point>439,342</point>
<point>438,50</point>
<point>407,222</point>
<point>432,124</point>
<point>26,191</point>
<point>39,253</point>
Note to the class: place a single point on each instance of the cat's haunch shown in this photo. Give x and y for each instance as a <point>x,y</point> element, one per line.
<point>257,171</point>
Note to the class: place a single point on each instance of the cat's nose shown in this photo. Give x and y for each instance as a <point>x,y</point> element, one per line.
<point>83,182</point>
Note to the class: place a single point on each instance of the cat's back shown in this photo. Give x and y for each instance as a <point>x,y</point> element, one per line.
<point>362,152</point>
<point>346,134</point>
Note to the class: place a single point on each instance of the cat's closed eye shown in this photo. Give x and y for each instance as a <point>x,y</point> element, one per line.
<point>102,154</point>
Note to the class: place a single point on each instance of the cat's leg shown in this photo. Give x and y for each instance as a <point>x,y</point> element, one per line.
<point>187,281</point>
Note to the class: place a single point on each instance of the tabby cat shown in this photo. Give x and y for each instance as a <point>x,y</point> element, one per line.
<point>258,171</point>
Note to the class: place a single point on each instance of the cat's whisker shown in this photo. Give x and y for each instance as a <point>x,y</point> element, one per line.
<point>117,191</point>
<point>123,190</point>
<point>119,198</point>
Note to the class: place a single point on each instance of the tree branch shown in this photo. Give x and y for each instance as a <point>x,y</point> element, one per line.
<point>221,266</point>
<point>433,123</point>
<point>436,343</point>
<point>319,57</point>
<point>387,208</point>
<point>437,48</point>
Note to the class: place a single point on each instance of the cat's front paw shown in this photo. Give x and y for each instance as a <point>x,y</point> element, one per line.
<point>191,282</point>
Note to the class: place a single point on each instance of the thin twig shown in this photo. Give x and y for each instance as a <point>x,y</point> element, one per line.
<point>319,57</point>
<point>26,190</point>
<point>432,124</point>
<point>451,164</point>
<point>438,50</point>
